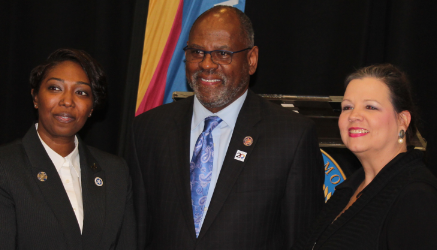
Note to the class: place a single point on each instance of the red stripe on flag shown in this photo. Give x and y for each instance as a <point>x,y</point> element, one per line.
<point>155,92</point>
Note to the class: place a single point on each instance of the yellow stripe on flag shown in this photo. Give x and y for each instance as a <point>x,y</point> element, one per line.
<point>160,20</point>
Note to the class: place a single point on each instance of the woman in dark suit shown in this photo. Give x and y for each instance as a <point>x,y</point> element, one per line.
<point>391,202</point>
<point>56,192</point>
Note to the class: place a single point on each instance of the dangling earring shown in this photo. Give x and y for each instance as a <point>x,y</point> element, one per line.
<point>401,136</point>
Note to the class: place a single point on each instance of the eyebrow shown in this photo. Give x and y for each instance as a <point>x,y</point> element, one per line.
<point>366,100</point>
<point>61,80</point>
<point>195,46</point>
<point>371,100</point>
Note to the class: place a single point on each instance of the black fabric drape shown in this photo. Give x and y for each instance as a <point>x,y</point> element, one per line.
<point>133,72</point>
<point>309,47</point>
<point>306,48</point>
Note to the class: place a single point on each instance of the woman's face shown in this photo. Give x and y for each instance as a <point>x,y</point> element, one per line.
<point>64,101</point>
<point>368,122</point>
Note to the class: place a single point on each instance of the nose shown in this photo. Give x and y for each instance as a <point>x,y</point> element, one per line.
<point>207,62</point>
<point>67,99</point>
<point>355,115</point>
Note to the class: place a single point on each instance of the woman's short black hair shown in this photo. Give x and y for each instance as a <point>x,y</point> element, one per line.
<point>92,69</point>
<point>400,90</point>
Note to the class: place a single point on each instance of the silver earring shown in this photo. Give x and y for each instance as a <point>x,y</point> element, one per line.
<point>401,136</point>
<point>36,106</point>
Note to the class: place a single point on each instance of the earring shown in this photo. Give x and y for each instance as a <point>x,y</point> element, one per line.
<point>401,136</point>
<point>36,106</point>
<point>90,114</point>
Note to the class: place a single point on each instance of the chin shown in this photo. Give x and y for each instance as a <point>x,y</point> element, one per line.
<point>211,101</point>
<point>65,132</point>
<point>358,150</point>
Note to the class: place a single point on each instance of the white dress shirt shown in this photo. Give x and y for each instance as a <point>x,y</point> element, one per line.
<point>69,170</point>
<point>221,136</point>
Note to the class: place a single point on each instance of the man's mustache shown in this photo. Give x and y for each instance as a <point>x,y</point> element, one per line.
<point>209,73</point>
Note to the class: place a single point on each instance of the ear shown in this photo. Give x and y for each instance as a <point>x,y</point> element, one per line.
<point>252,58</point>
<point>34,98</point>
<point>404,119</point>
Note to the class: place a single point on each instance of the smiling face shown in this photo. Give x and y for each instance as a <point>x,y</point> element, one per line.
<point>64,102</point>
<point>368,122</point>
<point>217,86</point>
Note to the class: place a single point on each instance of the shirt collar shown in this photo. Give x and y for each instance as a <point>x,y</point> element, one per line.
<point>229,114</point>
<point>57,159</point>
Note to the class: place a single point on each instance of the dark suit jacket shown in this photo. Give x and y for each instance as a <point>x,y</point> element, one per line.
<point>397,210</point>
<point>265,202</point>
<point>38,215</point>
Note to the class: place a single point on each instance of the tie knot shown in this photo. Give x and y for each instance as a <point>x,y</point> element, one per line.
<point>211,122</point>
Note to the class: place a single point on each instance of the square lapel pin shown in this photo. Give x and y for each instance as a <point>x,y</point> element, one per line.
<point>240,156</point>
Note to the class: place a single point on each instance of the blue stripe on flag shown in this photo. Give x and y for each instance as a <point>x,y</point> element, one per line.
<point>176,80</point>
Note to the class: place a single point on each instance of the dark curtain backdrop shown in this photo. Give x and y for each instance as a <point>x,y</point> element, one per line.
<point>307,47</point>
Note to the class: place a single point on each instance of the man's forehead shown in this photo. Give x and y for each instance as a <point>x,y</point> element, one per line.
<point>216,27</point>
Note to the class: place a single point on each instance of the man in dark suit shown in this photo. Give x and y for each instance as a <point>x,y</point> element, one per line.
<point>224,169</point>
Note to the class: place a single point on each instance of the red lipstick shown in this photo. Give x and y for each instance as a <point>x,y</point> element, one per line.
<point>357,132</point>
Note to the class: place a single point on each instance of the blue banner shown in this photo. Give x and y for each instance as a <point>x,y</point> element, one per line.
<point>333,175</point>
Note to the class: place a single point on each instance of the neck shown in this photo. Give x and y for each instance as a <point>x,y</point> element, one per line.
<point>61,145</point>
<point>374,162</point>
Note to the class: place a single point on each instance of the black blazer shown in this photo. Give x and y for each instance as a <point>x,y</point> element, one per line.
<point>265,202</point>
<point>397,210</point>
<point>38,215</point>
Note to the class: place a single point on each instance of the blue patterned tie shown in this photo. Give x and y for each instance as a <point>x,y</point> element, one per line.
<point>201,169</point>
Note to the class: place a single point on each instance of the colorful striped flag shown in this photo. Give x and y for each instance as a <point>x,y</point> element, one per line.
<point>162,66</point>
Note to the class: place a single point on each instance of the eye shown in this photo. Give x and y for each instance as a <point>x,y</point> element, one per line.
<point>54,88</point>
<point>347,108</point>
<point>197,52</point>
<point>81,92</point>
<point>371,107</point>
<point>223,53</point>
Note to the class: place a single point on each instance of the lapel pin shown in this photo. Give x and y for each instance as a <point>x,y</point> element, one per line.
<point>240,156</point>
<point>94,166</point>
<point>247,141</point>
<point>42,176</point>
<point>98,181</point>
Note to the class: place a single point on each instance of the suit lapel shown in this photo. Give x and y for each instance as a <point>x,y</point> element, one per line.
<point>179,139</point>
<point>248,117</point>
<point>52,189</point>
<point>94,198</point>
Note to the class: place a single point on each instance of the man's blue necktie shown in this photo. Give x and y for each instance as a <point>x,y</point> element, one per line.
<point>201,169</point>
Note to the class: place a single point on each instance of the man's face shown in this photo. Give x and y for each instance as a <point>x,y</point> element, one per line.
<point>217,86</point>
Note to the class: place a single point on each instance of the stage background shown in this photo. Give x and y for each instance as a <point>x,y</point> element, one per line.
<point>306,48</point>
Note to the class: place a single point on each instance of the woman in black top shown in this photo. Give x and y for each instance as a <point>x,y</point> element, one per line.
<point>391,202</point>
<point>57,193</point>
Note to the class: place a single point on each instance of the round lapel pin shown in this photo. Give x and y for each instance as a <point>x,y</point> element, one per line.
<point>42,176</point>
<point>98,181</point>
<point>247,141</point>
